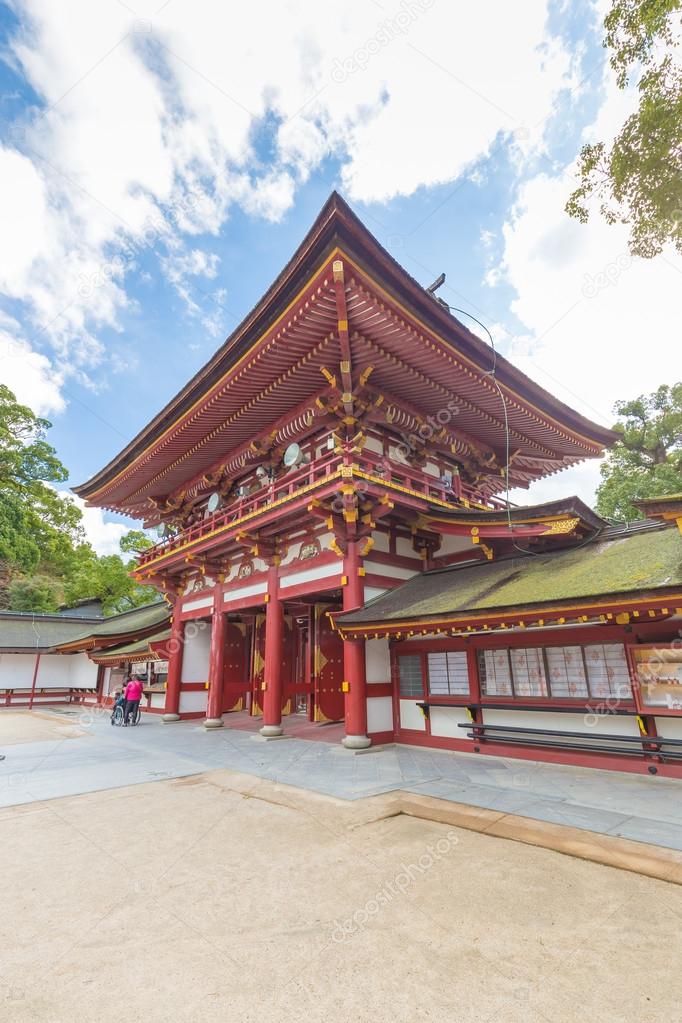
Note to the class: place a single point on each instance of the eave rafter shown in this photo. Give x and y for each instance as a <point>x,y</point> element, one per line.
<point>265,449</point>
<point>448,396</point>
<point>250,405</point>
<point>403,325</point>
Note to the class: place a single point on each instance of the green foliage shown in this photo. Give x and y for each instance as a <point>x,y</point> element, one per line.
<point>135,541</point>
<point>647,459</point>
<point>639,176</point>
<point>44,557</point>
<point>106,578</point>
<point>37,593</point>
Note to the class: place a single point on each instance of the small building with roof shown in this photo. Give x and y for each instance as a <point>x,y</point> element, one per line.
<point>53,658</point>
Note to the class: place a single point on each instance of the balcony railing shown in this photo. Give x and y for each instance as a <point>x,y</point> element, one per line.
<point>392,473</point>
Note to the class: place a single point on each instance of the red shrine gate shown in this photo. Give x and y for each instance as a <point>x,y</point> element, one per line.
<point>346,440</point>
<point>312,665</point>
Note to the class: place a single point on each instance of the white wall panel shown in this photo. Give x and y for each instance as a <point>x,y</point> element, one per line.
<point>444,721</point>
<point>377,660</point>
<point>193,702</point>
<point>380,714</point>
<point>670,728</point>
<point>16,670</point>
<point>242,592</point>
<point>411,716</point>
<point>310,575</point>
<point>586,721</point>
<point>195,653</point>
<point>392,571</point>
<point>194,605</point>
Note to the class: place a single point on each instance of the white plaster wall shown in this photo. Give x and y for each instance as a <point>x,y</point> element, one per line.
<point>158,700</point>
<point>55,671</point>
<point>670,728</point>
<point>242,592</point>
<point>83,674</point>
<point>382,542</point>
<point>392,571</point>
<point>16,670</point>
<point>411,716</point>
<point>195,654</point>
<point>404,546</point>
<point>444,721</point>
<point>586,722</point>
<point>194,605</point>
<point>377,660</point>
<point>454,544</point>
<point>374,591</point>
<point>380,714</point>
<point>192,702</point>
<point>310,575</point>
<point>292,553</point>
<point>374,444</point>
<point>432,469</point>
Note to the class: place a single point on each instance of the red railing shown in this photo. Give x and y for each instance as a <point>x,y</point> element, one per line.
<point>268,494</point>
<point>314,472</point>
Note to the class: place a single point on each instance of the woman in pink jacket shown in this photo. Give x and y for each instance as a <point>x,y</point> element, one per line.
<point>133,695</point>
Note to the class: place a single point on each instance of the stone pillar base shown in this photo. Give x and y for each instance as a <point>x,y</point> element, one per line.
<point>271,731</point>
<point>356,741</point>
<point>170,717</point>
<point>213,723</point>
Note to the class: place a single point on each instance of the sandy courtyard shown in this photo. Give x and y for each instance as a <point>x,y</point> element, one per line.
<point>20,726</point>
<point>223,897</point>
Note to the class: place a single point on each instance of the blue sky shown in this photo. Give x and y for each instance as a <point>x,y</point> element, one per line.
<point>157,181</point>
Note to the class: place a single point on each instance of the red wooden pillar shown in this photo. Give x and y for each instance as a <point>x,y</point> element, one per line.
<point>33,682</point>
<point>216,670</point>
<point>272,673</point>
<point>176,646</point>
<point>355,679</point>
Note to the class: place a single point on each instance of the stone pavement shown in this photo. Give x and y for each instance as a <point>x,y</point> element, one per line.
<point>638,807</point>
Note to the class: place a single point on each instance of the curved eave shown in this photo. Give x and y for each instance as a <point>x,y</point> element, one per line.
<point>337,225</point>
<point>105,642</point>
<point>565,508</point>
<point>597,608</point>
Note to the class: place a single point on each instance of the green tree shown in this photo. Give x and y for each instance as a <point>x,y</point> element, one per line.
<point>108,579</point>
<point>37,593</point>
<point>44,557</point>
<point>37,526</point>
<point>135,541</point>
<point>638,176</point>
<point>646,461</point>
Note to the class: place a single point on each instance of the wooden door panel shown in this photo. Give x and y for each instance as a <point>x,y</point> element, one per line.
<point>328,668</point>
<point>235,672</point>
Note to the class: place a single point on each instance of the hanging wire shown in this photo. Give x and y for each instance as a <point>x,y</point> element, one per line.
<point>492,373</point>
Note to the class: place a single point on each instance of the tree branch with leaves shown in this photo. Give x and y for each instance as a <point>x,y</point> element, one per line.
<point>646,461</point>
<point>638,176</point>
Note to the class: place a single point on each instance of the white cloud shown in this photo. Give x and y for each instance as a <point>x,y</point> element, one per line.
<point>28,374</point>
<point>103,534</point>
<point>143,110</point>
<point>599,325</point>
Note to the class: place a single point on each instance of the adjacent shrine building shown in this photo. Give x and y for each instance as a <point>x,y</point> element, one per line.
<point>336,542</point>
